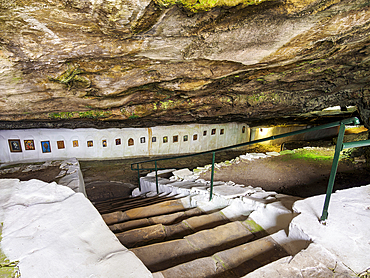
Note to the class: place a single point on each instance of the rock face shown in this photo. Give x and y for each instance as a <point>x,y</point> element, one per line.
<point>140,63</point>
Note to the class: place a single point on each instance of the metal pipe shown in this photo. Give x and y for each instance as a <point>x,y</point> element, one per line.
<point>212,173</point>
<point>352,120</point>
<point>356,144</point>
<point>339,147</point>
<point>138,175</point>
<point>156,177</point>
<point>333,172</point>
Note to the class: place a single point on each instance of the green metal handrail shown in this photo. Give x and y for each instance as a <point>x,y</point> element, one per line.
<point>338,149</point>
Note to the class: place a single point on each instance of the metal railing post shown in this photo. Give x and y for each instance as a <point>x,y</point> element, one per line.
<point>212,173</point>
<point>338,149</point>
<point>138,175</point>
<point>333,172</point>
<point>156,176</point>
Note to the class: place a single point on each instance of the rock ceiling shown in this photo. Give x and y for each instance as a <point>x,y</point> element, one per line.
<point>140,63</point>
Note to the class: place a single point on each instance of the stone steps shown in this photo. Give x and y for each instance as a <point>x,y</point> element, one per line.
<point>233,262</point>
<point>164,207</point>
<point>160,232</point>
<point>201,244</point>
<point>193,237</point>
<point>130,203</point>
<point>166,219</point>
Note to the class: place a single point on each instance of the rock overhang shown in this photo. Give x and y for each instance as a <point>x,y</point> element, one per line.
<point>81,64</point>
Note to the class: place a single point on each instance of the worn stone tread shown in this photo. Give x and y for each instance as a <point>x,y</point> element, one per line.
<point>233,262</point>
<point>200,244</point>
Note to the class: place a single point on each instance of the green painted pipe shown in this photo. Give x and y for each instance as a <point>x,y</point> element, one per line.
<point>212,173</point>
<point>356,144</point>
<point>333,172</point>
<point>339,147</point>
<point>353,120</point>
<point>156,177</point>
<point>138,175</point>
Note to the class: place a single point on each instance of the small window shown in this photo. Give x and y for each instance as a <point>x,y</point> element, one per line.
<point>118,141</point>
<point>105,144</point>
<point>222,131</point>
<point>205,133</point>
<point>195,137</point>
<point>165,139</point>
<point>142,140</point>
<point>186,138</point>
<point>243,129</point>
<point>130,142</point>
<point>175,138</point>
<point>154,139</point>
<point>213,131</point>
<point>90,143</point>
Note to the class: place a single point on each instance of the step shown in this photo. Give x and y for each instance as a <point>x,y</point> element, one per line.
<point>167,219</point>
<point>233,262</point>
<point>156,233</point>
<point>165,207</point>
<point>314,261</point>
<point>126,205</point>
<point>204,243</point>
<point>217,238</point>
<point>148,184</point>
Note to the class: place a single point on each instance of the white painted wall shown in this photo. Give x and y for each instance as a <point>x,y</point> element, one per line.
<point>263,132</point>
<point>143,145</point>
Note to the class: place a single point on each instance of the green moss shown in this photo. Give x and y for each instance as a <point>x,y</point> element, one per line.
<point>166,104</point>
<point>17,79</point>
<point>312,70</point>
<point>62,115</point>
<point>303,63</point>
<point>309,154</point>
<point>7,268</point>
<point>217,260</point>
<point>256,98</point>
<point>72,77</point>
<point>133,116</point>
<point>92,114</point>
<point>253,226</point>
<point>205,5</point>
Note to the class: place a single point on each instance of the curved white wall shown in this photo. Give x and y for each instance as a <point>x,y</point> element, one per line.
<point>105,142</point>
<point>264,132</point>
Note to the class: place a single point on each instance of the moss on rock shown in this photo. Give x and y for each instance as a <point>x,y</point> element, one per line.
<point>7,269</point>
<point>206,5</point>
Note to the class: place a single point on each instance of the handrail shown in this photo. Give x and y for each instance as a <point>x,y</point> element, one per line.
<point>339,147</point>
<point>353,120</point>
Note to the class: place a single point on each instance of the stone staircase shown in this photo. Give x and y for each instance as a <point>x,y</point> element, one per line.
<point>180,233</point>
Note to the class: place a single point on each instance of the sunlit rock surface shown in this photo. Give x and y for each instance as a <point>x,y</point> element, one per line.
<point>161,62</point>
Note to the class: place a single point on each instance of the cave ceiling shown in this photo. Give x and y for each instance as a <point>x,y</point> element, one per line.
<point>126,63</point>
